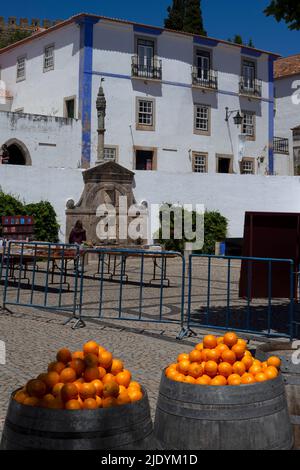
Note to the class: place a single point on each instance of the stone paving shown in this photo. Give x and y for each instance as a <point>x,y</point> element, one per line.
<point>33,335</point>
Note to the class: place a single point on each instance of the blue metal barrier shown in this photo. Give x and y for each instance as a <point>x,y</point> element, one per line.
<point>221,305</point>
<point>37,275</point>
<point>132,286</point>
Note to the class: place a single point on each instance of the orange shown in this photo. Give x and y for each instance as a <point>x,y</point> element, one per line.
<point>183,366</point>
<point>102,372</point>
<point>56,367</point>
<point>73,405</point>
<point>204,354</point>
<point>78,384</point>
<point>256,362</point>
<point>225,369</point>
<point>248,379</point>
<point>47,400</point>
<point>135,385</point>
<point>242,342</point>
<point>68,375</point>
<point>51,379</point>
<point>116,366</point>
<point>57,389</point>
<point>98,386</point>
<point>218,381</point>
<point>91,347</point>
<point>210,342</point>
<point>271,372</point>
<point>90,404</point>
<point>213,355</point>
<point>261,377</point>
<point>109,402</point>
<point>20,396</point>
<point>91,373</point>
<point>110,389</point>
<point>220,340</point>
<point>135,395</point>
<point>239,350</point>
<point>247,361</point>
<point>255,369</point>
<point>87,390</point>
<point>274,361</point>
<point>234,379</point>
<point>56,404</point>
<point>98,401</point>
<point>264,365</point>
<point>230,339</point>
<point>195,356</point>
<point>69,392</point>
<point>248,353</point>
<point>31,401</point>
<point>204,380</point>
<point>221,348</point>
<point>91,360</point>
<point>36,388</point>
<point>109,378</point>
<point>211,368</point>
<point>123,378</point>
<point>105,359</point>
<point>78,365</point>
<point>229,356</point>
<point>199,347</point>
<point>64,355</point>
<point>188,379</point>
<point>178,378</point>
<point>171,373</point>
<point>195,370</point>
<point>78,355</point>
<point>123,399</point>
<point>239,368</point>
<point>183,357</point>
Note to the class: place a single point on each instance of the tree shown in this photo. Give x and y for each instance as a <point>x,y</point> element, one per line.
<point>176,15</point>
<point>193,21</point>
<point>13,37</point>
<point>237,39</point>
<point>250,43</point>
<point>287,10</point>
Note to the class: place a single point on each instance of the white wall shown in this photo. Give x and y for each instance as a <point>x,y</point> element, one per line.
<point>232,195</point>
<point>52,142</point>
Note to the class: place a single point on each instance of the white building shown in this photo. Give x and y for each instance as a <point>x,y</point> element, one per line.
<point>287,117</point>
<point>167,94</point>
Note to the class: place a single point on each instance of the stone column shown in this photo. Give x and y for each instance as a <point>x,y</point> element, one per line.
<point>101,113</point>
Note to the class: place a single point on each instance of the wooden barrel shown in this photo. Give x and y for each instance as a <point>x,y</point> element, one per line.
<point>197,417</point>
<point>124,427</point>
<point>291,378</point>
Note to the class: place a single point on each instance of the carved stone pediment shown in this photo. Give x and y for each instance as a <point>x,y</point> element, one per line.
<point>108,172</point>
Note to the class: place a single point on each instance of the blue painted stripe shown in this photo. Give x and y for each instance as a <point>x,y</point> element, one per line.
<point>85,86</point>
<point>250,52</point>
<point>205,41</point>
<point>145,30</point>
<point>271,114</point>
<point>166,82</point>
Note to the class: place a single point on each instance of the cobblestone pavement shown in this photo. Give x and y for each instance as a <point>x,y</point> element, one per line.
<point>33,336</point>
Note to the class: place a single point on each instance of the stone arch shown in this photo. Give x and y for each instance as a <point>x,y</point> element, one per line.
<point>18,153</point>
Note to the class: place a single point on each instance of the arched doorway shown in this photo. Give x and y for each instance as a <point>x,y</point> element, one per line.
<point>18,153</point>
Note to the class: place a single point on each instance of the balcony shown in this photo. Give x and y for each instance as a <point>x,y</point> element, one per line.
<point>250,88</point>
<point>151,70</point>
<point>281,145</point>
<point>205,78</point>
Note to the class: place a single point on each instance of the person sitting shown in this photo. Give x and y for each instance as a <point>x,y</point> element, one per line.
<point>78,234</point>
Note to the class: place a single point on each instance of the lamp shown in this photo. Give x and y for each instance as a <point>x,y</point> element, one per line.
<point>238,119</point>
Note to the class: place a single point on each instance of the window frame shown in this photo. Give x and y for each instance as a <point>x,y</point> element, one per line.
<point>112,147</point>
<point>249,136</point>
<point>229,157</point>
<point>200,131</point>
<point>154,158</point>
<point>141,126</point>
<point>69,98</point>
<point>21,57</point>
<point>250,61</point>
<point>196,154</point>
<point>48,69</point>
<point>248,160</point>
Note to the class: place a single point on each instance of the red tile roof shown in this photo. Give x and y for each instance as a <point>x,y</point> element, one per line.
<point>287,66</point>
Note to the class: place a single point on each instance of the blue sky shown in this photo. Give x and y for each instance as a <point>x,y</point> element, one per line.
<point>223,18</point>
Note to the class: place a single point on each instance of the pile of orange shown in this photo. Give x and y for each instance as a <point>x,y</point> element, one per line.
<point>87,379</point>
<point>222,361</point>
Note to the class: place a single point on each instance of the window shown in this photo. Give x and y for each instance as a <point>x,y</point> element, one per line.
<point>247,166</point>
<point>49,58</point>
<point>248,74</point>
<point>203,64</point>
<point>21,68</point>
<point>70,107</point>
<point>202,119</point>
<point>145,159</point>
<point>199,162</point>
<point>248,125</point>
<point>145,52</point>
<point>145,114</point>
<point>110,153</point>
<point>224,163</point>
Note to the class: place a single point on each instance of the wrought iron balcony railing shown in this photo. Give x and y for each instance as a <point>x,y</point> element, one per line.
<point>146,69</point>
<point>281,145</point>
<point>205,78</point>
<point>250,87</point>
